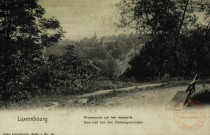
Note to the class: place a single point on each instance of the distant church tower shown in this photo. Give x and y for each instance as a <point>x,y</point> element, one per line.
<point>95,36</point>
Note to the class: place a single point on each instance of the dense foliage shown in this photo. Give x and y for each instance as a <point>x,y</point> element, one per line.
<point>179,37</point>
<point>27,71</point>
<point>23,33</point>
<point>70,75</point>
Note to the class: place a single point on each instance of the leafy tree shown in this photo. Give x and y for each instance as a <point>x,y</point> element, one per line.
<point>179,28</point>
<point>23,33</point>
<point>69,74</point>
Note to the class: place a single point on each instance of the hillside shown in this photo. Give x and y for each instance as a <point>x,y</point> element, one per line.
<point>107,53</point>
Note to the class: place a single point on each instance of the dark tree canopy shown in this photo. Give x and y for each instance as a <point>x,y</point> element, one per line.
<point>23,33</point>
<point>179,35</point>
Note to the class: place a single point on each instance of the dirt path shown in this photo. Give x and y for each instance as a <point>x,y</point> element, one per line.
<point>146,106</point>
<point>85,99</point>
<point>126,97</point>
<point>155,97</point>
<point>103,92</point>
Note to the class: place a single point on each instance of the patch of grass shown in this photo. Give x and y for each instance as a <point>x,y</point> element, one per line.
<point>99,100</point>
<point>36,102</point>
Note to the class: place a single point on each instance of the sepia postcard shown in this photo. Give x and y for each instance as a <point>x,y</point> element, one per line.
<point>104,67</point>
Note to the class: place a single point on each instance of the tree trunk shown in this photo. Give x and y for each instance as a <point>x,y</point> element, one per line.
<point>176,61</point>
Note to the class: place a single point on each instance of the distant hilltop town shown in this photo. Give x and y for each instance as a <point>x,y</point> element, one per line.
<point>115,49</point>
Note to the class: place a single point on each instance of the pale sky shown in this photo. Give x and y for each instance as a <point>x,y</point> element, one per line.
<point>82,18</point>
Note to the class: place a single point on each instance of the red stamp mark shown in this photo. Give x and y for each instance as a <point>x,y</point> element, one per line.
<point>191,118</point>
